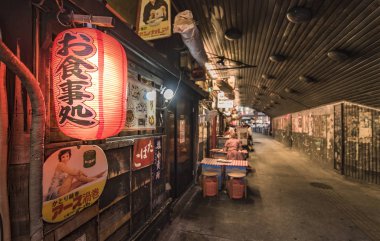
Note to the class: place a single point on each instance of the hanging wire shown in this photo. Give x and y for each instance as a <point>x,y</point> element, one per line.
<point>60,11</point>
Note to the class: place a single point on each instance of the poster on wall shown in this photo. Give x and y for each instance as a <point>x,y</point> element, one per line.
<point>182,126</point>
<point>143,153</point>
<point>365,124</point>
<point>141,112</point>
<point>154,20</point>
<point>73,179</point>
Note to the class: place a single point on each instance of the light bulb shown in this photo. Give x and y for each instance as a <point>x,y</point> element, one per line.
<point>168,94</point>
<point>151,95</point>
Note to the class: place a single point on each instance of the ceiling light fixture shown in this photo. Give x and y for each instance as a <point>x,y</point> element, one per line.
<point>307,79</point>
<point>232,34</point>
<point>299,15</point>
<point>338,55</point>
<point>277,58</point>
<point>267,76</point>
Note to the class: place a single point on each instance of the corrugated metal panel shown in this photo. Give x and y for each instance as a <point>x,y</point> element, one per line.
<point>349,25</point>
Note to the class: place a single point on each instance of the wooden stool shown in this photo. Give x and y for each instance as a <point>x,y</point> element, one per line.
<point>236,185</point>
<point>210,183</point>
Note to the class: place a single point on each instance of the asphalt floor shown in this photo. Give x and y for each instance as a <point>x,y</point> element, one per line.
<point>290,198</point>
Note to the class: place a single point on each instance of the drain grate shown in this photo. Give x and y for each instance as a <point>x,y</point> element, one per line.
<point>320,185</point>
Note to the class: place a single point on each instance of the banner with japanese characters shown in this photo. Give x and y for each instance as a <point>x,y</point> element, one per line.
<point>143,153</point>
<point>73,179</point>
<point>154,19</point>
<point>141,112</point>
<point>157,160</point>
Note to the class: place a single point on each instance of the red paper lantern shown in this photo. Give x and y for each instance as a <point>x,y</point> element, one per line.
<point>89,70</point>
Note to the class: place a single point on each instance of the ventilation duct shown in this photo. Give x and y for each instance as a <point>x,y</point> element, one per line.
<point>184,24</point>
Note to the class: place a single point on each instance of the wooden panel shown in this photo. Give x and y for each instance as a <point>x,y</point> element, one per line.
<point>141,177</point>
<point>113,218</point>
<point>140,198</point>
<point>121,234</point>
<point>87,231</point>
<point>116,188</point>
<point>118,161</point>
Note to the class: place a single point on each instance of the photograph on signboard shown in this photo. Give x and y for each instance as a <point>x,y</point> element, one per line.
<point>73,179</point>
<point>141,112</point>
<point>154,20</point>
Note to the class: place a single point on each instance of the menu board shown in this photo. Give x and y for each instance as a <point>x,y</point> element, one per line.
<point>141,112</point>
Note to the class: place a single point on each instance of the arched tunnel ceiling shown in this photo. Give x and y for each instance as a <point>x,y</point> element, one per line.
<point>348,26</point>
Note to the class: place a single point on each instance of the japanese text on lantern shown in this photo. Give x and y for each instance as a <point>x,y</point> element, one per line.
<point>74,52</point>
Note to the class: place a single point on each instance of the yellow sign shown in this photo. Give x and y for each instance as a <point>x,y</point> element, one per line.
<point>73,179</point>
<point>154,19</point>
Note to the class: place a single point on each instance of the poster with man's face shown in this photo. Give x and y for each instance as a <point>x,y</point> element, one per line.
<point>154,19</point>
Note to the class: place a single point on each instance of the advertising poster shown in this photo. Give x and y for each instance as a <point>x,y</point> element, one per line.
<point>141,112</point>
<point>154,19</point>
<point>365,124</point>
<point>73,179</point>
<point>143,153</point>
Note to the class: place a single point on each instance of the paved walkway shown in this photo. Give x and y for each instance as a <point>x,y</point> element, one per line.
<point>289,198</point>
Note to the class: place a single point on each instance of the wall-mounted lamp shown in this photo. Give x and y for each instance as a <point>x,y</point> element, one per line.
<point>167,93</point>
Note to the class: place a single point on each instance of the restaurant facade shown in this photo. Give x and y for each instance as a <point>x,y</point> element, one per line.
<point>133,169</point>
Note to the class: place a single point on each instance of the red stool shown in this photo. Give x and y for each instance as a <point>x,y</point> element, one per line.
<point>236,185</point>
<point>210,184</point>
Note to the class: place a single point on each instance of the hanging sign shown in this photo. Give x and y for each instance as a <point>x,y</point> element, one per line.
<point>143,153</point>
<point>224,102</point>
<point>154,19</point>
<point>157,161</point>
<point>141,113</point>
<point>89,70</point>
<point>73,179</point>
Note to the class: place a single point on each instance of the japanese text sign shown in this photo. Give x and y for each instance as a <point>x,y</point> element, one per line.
<point>143,153</point>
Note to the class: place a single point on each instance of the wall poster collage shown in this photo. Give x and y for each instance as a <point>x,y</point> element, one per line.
<point>141,112</point>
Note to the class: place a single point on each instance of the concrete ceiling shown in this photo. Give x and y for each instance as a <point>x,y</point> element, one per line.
<point>350,27</point>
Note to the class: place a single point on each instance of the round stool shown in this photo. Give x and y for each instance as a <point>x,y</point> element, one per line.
<point>236,185</point>
<point>210,183</point>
